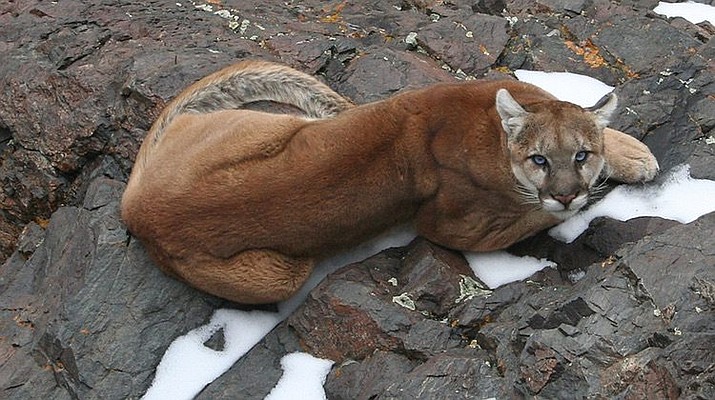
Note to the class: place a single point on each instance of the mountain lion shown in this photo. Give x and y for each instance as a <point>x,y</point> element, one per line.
<point>242,203</point>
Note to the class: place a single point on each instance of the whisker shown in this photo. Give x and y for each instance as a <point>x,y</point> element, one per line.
<point>528,197</point>
<point>607,175</point>
<point>599,190</point>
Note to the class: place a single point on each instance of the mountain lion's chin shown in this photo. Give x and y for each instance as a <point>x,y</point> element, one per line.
<point>563,214</point>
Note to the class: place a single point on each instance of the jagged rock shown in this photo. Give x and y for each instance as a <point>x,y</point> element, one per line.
<point>598,244</point>
<point>481,39</point>
<point>85,314</point>
<point>491,7</point>
<point>395,299</point>
<point>81,89</point>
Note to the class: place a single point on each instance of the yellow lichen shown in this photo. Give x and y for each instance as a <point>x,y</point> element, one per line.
<point>43,222</point>
<point>591,56</point>
<point>333,13</point>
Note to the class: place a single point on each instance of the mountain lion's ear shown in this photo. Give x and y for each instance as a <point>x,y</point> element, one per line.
<point>512,114</point>
<point>604,108</point>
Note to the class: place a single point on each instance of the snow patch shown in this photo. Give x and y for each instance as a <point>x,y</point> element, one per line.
<point>578,89</point>
<point>188,365</point>
<point>692,11</point>
<point>303,378</point>
<point>498,268</point>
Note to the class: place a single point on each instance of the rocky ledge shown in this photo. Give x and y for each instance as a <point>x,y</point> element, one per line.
<point>86,315</point>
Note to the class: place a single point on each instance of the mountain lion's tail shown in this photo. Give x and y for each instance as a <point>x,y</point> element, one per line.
<point>248,82</point>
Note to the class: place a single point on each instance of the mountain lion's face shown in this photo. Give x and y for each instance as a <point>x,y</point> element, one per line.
<point>556,150</point>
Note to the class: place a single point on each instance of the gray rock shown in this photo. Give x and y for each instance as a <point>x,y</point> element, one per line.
<point>80,302</point>
<point>367,379</point>
<point>470,43</point>
<point>85,314</point>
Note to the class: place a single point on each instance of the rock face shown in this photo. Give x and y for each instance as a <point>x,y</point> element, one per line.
<point>84,313</point>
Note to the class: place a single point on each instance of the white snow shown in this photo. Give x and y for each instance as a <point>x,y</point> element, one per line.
<point>303,378</point>
<point>498,268</point>
<point>578,89</point>
<point>188,365</point>
<point>680,198</point>
<point>693,12</point>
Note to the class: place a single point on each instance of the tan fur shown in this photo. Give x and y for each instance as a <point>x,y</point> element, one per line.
<point>242,204</point>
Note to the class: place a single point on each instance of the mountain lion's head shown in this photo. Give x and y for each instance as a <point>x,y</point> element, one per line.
<point>556,149</point>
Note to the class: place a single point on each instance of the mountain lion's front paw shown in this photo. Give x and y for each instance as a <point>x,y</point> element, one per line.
<point>627,159</point>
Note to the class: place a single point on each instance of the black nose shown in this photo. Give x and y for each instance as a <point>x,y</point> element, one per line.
<point>564,199</point>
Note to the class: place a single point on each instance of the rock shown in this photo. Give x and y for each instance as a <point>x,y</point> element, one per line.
<point>569,6</point>
<point>79,89</point>
<point>598,244</point>
<point>384,72</point>
<point>623,330</point>
<point>491,7</point>
<point>384,303</point>
<point>556,339</point>
<point>80,301</point>
<point>482,39</point>
<point>370,378</point>
<point>85,314</point>
<point>631,43</point>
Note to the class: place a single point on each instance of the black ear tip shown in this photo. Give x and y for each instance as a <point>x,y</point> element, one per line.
<point>609,97</point>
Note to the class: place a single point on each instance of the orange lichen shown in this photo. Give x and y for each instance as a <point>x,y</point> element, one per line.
<point>608,261</point>
<point>333,13</point>
<point>43,222</point>
<point>591,56</point>
<point>589,52</point>
<point>23,323</point>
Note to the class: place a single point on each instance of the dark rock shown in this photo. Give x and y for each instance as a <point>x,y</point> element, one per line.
<point>85,314</point>
<point>80,302</point>
<point>555,44</point>
<point>217,341</point>
<point>384,72</point>
<point>77,88</point>
<point>482,39</point>
<point>569,6</point>
<point>623,330</point>
<point>382,304</point>
<point>569,314</point>
<point>454,374</point>
<point>598,244</point>
<point>492,7</point>
<point>367,379</point>
<point>637,339</point>
<point>632,43</point>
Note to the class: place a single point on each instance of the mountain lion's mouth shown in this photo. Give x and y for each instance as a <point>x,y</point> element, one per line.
<point>562,209</point>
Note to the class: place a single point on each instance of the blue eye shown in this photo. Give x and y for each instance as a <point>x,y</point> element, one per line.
<point>539,160</point>
<point>581,156</point>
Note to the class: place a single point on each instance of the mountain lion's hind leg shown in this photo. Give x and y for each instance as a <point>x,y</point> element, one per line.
<point>252,276</point>
<point>627,159</point>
